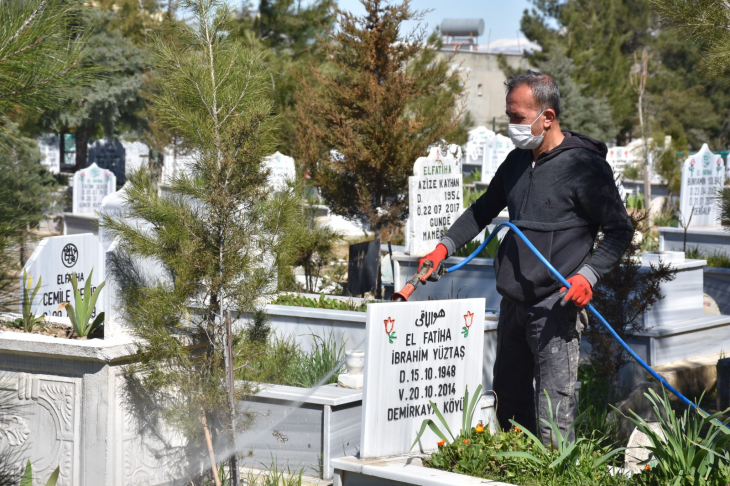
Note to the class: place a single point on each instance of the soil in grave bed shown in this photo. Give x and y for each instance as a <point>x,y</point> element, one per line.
<point>53,330</point>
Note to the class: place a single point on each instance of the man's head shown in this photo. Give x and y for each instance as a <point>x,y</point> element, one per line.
<point>533,98</point>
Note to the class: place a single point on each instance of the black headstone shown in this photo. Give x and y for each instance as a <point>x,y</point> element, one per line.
<point>109,154</point>
<point>363,268</point>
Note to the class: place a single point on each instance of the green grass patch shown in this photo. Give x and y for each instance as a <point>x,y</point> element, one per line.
<point>715,259</point>
<point>321,303</point>
<point>281,361</point>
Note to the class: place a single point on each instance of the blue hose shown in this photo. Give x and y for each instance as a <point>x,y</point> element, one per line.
<point>589,306</point>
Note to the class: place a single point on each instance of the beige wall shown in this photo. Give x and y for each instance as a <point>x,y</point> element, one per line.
<point>479,68</point>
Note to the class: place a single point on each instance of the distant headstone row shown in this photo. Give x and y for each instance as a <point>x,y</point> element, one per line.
<point>703,175</point>
<point>487,149</point>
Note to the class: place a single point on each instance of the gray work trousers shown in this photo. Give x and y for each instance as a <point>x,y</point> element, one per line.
<point>540,341</point>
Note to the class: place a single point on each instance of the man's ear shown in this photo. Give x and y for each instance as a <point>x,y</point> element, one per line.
<point>549,118</point>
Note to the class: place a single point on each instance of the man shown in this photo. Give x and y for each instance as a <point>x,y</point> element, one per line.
<point>559,191</point>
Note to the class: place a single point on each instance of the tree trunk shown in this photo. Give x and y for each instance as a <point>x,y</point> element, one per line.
<point>82,147</point>
<point>211,451</point>
<point>231,400</point>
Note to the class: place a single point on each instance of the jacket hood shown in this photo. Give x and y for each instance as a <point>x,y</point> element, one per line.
<point>574,140</point>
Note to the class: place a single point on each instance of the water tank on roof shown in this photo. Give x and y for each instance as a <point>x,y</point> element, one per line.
<point>462,27</point>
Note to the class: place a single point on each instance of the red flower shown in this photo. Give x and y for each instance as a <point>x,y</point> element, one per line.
<point>468,319</point>
<point>465,441</point>
<point>390,321</point>
<point>441,443</point>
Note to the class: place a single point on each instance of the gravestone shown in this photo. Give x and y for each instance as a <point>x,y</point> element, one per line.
<point>363,268</point>
<point>50,147</point>
<point>90,186</point>
<point>54,260</point>
<point>435,200</point>
<point>120,157</point>
<point>703,174</point>
<point>108,153</point>
<point>281,169</point>
<point>476,145</point>
<point>495,153</point>
<point>618,158</point>
<point>415,353</point>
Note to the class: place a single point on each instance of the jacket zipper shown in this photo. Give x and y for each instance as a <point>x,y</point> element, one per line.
<point>527,196</point>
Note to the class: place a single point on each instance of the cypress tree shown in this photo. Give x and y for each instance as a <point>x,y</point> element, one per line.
<point>364,117</point>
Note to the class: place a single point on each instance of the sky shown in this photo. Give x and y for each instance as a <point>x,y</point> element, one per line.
<point>501,16</point>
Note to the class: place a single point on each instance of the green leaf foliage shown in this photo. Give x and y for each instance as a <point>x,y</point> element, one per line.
<point>366,115</point>
<point>29,321</point>
<point>215,235</point>
<point>84,306</point>
<point>27,196</point>
<point>42,55</point>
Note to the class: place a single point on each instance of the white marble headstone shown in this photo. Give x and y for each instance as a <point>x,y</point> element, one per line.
<point>416,353</point>
<point>91,185</point>
<point>476,146</point>
<point>435,200</point>
<point>49,145</point>
<point>494,154</point>
<point>136,155</point>
<point>54,260</point>
<point>703,174</point>
<point>176,163</point>
<point>281,169</point>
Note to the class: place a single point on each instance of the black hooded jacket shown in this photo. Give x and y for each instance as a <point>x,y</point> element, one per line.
<point>559,204</point>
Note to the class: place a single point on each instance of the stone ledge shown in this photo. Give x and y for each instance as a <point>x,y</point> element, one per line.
<point>403,469</point>
<point>706,322</point>
<point>103,350</point>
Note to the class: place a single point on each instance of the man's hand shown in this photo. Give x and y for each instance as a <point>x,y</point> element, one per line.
<point>436,256</point>
<point>579,293</point>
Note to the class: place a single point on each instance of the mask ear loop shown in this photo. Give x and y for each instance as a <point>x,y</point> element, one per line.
<point>538,117</point>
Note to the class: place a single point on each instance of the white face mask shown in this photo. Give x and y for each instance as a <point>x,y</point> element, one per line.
<point>522,137</point>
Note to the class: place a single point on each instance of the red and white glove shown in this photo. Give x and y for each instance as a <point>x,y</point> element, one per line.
<point>579,293</point>
<point>436,257</point>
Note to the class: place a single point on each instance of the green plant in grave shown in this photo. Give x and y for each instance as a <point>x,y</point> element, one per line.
<point>692,450</point>
<point>29,321</point>
<point>466,418</point>
<point>567,452</point>
<point>27,479</point>
<point>83,307</point>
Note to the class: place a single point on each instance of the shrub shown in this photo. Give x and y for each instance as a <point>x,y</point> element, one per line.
<point>518,456</point>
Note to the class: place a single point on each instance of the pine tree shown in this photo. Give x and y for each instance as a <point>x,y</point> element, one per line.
<point>217,230</point>
<point>42,53</point>
<point>366,116</point>
<point>704,22</point>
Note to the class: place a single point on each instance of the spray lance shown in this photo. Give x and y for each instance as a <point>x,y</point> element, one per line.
<point>410,287</point>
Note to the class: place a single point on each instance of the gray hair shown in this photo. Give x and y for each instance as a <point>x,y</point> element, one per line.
<point>544,89</point>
